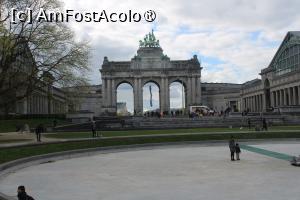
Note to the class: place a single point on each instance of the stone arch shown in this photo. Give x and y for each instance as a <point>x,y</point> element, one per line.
<point>124,107</point>
<point>152,80</point>
<point>183,93</point>
<point>119,82</point>
<point>150,64</point>
<point>159,87</point>
<point>178,79</point>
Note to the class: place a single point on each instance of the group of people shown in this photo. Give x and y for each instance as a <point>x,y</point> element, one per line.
<point>95,132</point>
<point>156,114</point>
<point>234,149</point>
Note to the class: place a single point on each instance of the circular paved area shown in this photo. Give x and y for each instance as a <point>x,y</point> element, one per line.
<point>190,172</point>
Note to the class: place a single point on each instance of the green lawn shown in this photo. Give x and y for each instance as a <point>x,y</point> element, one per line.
<point>67,135</point>
<point>10,125</point>
<point>8,154</point>
<point>70,135</point>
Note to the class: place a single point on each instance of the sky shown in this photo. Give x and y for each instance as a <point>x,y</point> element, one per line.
<point>234,39</point>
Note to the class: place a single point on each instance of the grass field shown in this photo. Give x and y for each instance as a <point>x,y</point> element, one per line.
<point>71,135</point>
<point>9,154</point>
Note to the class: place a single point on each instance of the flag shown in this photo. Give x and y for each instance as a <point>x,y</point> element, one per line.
<point>150,89</point>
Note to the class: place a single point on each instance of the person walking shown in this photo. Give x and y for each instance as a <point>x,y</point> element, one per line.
<point>94,129</point>
<point>54,123</point>
<point>237,151</point>
<point>249,123</point>
<point>232,148</point>
<point>22,195</point>
<point>38,130</point>
<point>264,124</point>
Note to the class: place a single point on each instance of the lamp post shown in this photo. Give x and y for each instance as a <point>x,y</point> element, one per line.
<point>182,101</point>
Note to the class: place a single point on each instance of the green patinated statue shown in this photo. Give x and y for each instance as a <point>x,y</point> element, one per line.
<point>149,41</point>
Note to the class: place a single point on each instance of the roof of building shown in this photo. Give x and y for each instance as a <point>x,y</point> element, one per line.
<point>286,38</point>
<point>252,83</point>
<point>297,33</point>
<point>216,83</point>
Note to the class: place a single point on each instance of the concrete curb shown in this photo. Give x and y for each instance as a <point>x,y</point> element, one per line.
<point>4,197</point>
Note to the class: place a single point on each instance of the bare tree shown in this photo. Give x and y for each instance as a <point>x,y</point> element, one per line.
<point>37,53</point>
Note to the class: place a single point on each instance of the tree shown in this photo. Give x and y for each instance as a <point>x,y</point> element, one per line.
<point>31,53</point>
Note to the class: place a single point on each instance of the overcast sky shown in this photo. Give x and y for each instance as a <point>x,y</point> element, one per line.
<point>234,39</point>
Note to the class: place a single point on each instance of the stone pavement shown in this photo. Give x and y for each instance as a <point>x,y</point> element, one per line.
<point>189,172</point>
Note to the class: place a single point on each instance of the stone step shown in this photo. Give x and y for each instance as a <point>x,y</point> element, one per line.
<point>171,123</point>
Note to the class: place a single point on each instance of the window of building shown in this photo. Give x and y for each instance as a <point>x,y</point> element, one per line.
<point>289,60</point>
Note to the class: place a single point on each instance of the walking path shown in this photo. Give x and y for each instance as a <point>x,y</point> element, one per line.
<point>30,138</point>
<point>16,139</point>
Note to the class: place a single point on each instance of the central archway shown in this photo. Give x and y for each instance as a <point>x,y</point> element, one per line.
<point>177,98</point>
<point>151,101</point>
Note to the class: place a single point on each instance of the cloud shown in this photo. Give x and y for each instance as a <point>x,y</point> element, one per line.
<point>241,35</point>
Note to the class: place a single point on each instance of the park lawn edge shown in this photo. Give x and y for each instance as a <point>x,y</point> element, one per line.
<point>86,134</point>
<point>14,153</point>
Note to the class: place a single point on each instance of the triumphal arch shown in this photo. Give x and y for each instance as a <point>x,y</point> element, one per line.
<point>150,64</point>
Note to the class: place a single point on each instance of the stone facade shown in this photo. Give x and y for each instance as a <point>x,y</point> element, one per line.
<point>84,99</point>
<point>47,100</point>
<point>44,99</point>
<point>219,96</point>
<point>150,65</point>
<point>279,86</point>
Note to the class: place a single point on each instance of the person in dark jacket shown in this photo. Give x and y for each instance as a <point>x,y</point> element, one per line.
<point>237,151</point>
<point>54,123</point>
<point>22,195</point>
<point>265,124</point>
<point>232,148</point>
<point>94,128</point>
<point>38,130</point>
<point>249,123</point>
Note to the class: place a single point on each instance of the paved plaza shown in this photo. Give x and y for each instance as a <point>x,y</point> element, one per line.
<point>170,173</point>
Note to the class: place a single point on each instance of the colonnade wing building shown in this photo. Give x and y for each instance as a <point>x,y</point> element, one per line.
<point>279,86</point>
<point>23,92</point>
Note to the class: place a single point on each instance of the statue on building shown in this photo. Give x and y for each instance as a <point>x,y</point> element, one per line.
<point>149,41</point>
<point>105,60</point>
